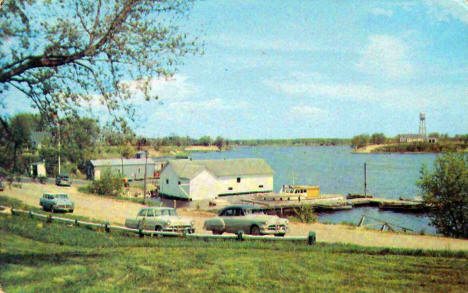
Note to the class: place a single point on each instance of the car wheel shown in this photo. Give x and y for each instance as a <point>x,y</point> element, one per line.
<point>215,232</point>
<point>158,228</point>
<point>71,211</point>
<point>255,230</point>
<point>280,235</point>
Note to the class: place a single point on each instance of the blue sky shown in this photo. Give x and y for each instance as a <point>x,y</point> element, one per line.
<point>285,69</point>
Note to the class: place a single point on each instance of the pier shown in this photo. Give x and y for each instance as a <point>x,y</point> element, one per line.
<point>284,205</point>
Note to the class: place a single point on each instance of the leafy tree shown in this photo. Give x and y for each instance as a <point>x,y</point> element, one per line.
<point>359,141</point>
<point>445,191</point>
<point>219,142</point>
<point>110,184</point>
<point>378,138</point>
<point>204,140</point>
<point>66,54</point>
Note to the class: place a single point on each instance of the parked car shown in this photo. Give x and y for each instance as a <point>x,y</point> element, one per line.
<point>56,202</point>
<point>247,218</point>
<point>63,180</point>
<point>160,219</point>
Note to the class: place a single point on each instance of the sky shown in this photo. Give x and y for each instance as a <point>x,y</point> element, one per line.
<point>289,69</point>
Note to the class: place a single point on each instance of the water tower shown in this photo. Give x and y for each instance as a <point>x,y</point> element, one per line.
<point>422,125</point>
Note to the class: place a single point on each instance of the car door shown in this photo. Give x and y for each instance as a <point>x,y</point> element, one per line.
<point>148,223</point>
<point>140,220</point>
<point>229,219</point>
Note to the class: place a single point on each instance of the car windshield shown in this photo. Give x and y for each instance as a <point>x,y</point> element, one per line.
<point>168,212</point>
<point>254,211</point>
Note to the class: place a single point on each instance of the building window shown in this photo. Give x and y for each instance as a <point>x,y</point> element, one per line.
<point>238,179</point>
<point>260,186</point>
<point>229,188</point>
<point>167,181</point>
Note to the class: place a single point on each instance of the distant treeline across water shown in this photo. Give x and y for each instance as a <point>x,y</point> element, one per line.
<point>292,141</point>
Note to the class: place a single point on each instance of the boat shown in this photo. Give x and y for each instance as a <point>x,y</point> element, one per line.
<point>299,191</point>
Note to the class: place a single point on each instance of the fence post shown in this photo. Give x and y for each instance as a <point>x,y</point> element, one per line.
<point>311,239</point>
<point>240,235</point>
<point>30,214</point>
<point>49,219</point>
<point>140,232</point>
<point>12,210</point>
<point>106,227</point>
<point>76,222</point>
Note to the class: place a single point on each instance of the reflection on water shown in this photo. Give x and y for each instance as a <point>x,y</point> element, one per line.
<point>337,171</point>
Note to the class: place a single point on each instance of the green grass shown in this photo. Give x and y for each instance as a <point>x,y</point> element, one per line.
<point>18,204</point>
<point>40,257</point>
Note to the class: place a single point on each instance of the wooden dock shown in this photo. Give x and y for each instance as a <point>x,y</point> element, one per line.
<point>281,205</point>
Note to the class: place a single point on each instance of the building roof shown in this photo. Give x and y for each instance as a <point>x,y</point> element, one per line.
<point>411,135</point>
<point>119,162</point>
<point>220,168</point>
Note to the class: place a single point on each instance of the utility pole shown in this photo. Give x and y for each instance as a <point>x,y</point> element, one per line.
<point>144,182</point>
<point>365,179</point>
<point>58,126</point>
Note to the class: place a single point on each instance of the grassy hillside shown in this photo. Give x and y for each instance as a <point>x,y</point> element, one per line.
<point>40,257</point>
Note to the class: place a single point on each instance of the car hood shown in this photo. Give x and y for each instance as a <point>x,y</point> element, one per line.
<point>269,219</point>
<point>176,220</point>
<point>63,201</point>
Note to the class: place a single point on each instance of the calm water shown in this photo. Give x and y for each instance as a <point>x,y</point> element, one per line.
<point>337,171</point>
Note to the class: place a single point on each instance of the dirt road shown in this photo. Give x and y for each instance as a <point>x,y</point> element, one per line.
<point>115,211</point>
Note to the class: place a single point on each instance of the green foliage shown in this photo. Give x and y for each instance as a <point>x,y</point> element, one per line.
<point>445,191</point>
<point>42,179</point>
<point>418,147</point>
<point>305,214</point>
<point>110,184</point>
<point>359,141</point>
<point>290,142</point>
<point>90,47</point>
<point>378,138</point>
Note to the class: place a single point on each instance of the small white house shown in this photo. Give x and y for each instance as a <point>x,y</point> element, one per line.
<point>207,179</point>
<point>133,169</point>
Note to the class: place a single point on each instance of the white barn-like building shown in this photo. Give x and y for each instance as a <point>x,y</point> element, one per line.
<point>208,179</point>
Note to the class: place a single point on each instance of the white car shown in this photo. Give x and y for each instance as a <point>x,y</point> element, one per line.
<point>160,219</point>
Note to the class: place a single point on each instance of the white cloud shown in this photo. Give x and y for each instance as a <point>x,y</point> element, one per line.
<point>180,110</point>
<point>396,98</point>
<point>444,10</point>
<point>307,112</point>
<point>245,42</point>
<point>177,87</point>
<point>386,56</point>
<point>382,12</point>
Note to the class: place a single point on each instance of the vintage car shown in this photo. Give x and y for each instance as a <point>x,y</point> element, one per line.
<point>63,180</point>
<point>247,218</point>
<point>160,219</point>
<point>56,202</point>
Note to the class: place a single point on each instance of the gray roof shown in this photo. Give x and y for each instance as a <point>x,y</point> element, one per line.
<point>411,135</point>
<point>230,167</point>
<point>119,162</point>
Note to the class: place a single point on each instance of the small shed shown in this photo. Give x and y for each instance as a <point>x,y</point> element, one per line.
<point>133,169</point>
<point>38,169</point>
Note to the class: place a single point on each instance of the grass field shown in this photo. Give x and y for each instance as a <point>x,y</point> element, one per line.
<point>40,257</point>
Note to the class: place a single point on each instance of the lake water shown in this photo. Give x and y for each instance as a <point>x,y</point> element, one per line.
<point>337,171</point>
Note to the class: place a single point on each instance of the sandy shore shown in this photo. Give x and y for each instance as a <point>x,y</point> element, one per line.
<point>369,148</point>
<point>115,211</point>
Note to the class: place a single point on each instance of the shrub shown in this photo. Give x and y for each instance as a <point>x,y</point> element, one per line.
<point>42,179</point>
<point>110,184</point>
<point>445,191</point>
<point>305,214</point>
